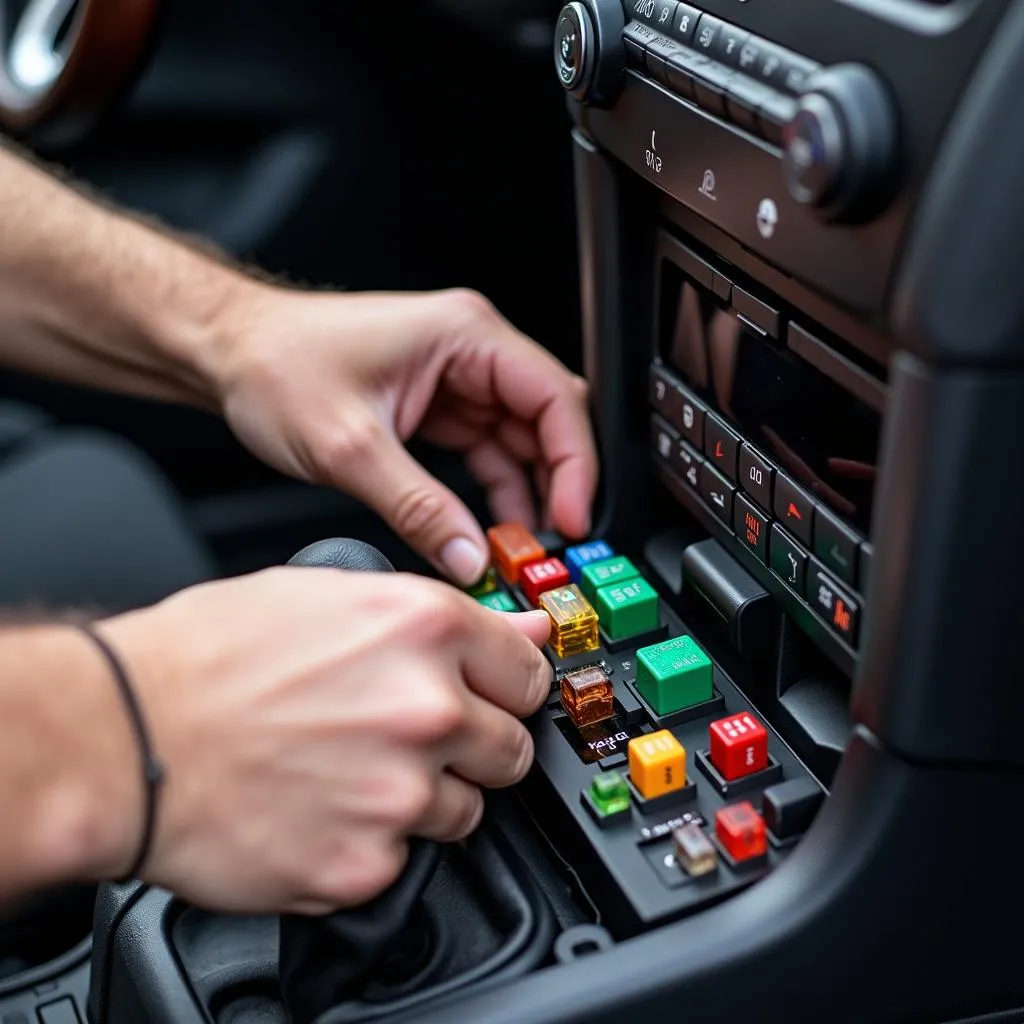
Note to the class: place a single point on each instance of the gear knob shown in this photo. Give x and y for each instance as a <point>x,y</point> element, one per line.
<point>342,553</point>
<point>328,960</point>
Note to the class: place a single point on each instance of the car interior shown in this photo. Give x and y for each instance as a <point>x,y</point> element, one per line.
<point>777,237</point>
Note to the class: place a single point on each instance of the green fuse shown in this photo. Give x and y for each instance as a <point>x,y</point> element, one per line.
<point>609,793</point>
<point>601,574</point>
<point>499,601</point>
<point>628,608</point>
<point>487,585</point>
<point>673,675</point>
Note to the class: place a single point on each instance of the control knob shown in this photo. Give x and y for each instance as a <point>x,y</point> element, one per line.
<point>840,149</point>
<point>588,50</point>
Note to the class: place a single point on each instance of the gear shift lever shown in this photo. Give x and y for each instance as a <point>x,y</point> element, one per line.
<point>329,960</point>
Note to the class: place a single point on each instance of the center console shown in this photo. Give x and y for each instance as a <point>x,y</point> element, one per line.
<point>778,772</point>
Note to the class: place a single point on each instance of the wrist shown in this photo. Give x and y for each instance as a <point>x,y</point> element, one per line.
<point>86,809</point>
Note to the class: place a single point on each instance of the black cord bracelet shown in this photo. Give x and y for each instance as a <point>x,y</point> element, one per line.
<point>152,769</point>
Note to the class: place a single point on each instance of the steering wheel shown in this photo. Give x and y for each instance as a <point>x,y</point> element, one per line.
<point>64,62</point>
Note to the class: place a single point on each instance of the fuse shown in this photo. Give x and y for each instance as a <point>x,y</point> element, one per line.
<point>739,746</point>
<point>540,577</point>
<point>512,547</point>
<point>498,601</point>
<point>694,851</point>
<point>486,585</point>
<point>573,621</point>
<point>588,695</point>
<point>582,555</point>
<point>657,763</point>
<point>740,830</point>
<point>609,793</point>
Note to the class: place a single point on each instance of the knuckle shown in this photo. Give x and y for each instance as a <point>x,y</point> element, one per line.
<point>523,758</point>
<point>418,512</point>
<point>436,615</point>
<point>354,441</point>
<point>470,304</point>
<point>469,815</point>
<point>407,799</point>
<point>439,713</point>
<point>359,876</point>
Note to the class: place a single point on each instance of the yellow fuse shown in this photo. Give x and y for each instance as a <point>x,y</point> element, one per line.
<point>657,764</point>
<point>573,619</point>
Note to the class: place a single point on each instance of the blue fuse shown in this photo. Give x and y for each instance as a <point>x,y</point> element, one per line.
<point>583,554</point>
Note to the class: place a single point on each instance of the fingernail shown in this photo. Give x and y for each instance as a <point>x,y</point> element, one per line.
<point>463,560</point>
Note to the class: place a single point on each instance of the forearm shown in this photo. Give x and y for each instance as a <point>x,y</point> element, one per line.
<point>70,793</point>
<point>95,297</point>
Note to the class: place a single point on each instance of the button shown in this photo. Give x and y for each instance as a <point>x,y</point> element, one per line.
<point>729,44</point>
<point>660,14</point>
<point>512,548</point>
<point>627,609</point>
<point>635,37</point>
<point>751,526</point>
<point>717,492</point>
<point>756,476</point>
<point>710,83</point>
<point>583,554</point>
<point>573,621</point>
<point>740,830</point>
<point>681,69</point>
<point>587,696</point>
<point>690,421</point>
<point>721,286</point>
<point>793,508</point>
<point>739,746</point>
<point>757,312</point>
<point>788,561</point>
<point>689,465</point>
<point>499,601</point>
<point>541,576</point>
<point>601,574</point>
<point>685,23</point>
<point>836,545</point>
<point>790,807</point>
<point>774,114</point>
<point>664,394</point>
<point>657,764</point>
<point>664,438</point>
<point>770,65</point>
<point>609,793</point>
<point>673,675</point>
<point>793,75</point>
<point>743,100</point>
<point>61,1012</point>
<point>706,33</point>
<point>835,606</point>
<point>867,553</point>
<point>486,585</point>
<point>695,853</point>
<point>721,445</point>
<point>749,58</point>
<point>659,50</point>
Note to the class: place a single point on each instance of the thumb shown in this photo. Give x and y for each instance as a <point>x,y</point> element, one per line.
<point>420,509</point>
<point>535,625</point>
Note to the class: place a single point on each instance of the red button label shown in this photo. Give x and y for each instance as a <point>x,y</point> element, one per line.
<point>541,577</point>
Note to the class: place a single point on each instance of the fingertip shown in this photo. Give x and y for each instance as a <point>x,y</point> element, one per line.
<point>534,625</point>
<point>464,560</point>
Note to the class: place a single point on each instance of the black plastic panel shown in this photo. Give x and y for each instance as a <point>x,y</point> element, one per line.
<point>943,644</point>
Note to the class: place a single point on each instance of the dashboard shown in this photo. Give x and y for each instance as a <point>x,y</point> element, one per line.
<point>777,773</point>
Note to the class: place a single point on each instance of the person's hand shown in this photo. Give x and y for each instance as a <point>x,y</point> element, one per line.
<point>311,720</point>
<point>329,387</point>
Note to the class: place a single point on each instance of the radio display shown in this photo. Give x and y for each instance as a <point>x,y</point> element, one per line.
<point>820,434</point>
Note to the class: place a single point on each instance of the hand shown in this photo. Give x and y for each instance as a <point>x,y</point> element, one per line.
<point>329,387</point>
<point>311,720</point>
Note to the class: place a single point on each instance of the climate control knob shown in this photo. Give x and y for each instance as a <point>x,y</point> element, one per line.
<point>588,50</point>
<point>841,147</point>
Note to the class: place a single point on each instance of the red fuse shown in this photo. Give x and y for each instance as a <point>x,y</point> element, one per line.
<point>739,746</point>
<point>740,830</point>
<point>540,577</point>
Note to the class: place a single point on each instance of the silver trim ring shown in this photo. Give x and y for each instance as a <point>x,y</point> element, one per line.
<point>32,59</point>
